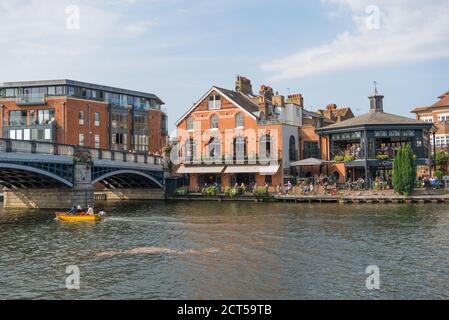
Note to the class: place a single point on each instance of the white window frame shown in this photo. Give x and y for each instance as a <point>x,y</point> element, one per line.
<point>214,103</point>
<point>81,139</point>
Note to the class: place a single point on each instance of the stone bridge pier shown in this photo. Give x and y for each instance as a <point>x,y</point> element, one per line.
<point>82,193</point>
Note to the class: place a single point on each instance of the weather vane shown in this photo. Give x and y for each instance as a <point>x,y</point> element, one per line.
<point>375,86</point>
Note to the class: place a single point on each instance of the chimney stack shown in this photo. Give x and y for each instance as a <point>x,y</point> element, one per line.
<point>296,98</point>
<point>243,85</point>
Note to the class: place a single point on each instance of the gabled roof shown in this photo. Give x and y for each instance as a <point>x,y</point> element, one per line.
<point>443,102</point>
<point>421,109</point>
<point>238,99</point>
<point>376,118</point>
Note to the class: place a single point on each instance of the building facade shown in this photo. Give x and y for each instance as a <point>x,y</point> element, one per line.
<point>85,114</point>
<point>438,114</point>
<point>365,146</point>
<point>236,136</point>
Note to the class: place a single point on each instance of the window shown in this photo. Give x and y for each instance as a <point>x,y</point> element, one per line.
<point>141,142</point>
<point>140,122</point>
<point>265,147</point>
<point>239,120</point>
<point>213,148</point>
<point>17,118</point>
<point>97,141</point>
<point>292,149</point>
<point>214,122</point>
<point>164,123</point>
<point>269,180</point>
<point>71,91</point>
<point>60,90</point>
<point>97,119</point>
<point>443,118</point>
<point>311,150</point>
<point>119,141</point>
<point>214,102</point>
<point>51,91</point>
<point>81,139</point>
<point>190,123</point>
<point>119,120</point>
<point>240,148</point>
<point>190,149</point>
<point>45,116</point>
<point>81,118</point>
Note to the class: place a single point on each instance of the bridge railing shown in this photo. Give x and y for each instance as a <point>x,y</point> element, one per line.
<point>37,147</point>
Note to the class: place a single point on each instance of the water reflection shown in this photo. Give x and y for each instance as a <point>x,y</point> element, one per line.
<point>228,250</point>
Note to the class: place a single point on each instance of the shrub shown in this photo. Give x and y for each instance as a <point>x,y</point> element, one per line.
<point>382,157</point>
<point>231,192</point>
<point>180,192</point>
<point>349,158</point>
<point>439,174</point>
<point>260,192</point>
<point>339,158</point>
<point>209,191</point>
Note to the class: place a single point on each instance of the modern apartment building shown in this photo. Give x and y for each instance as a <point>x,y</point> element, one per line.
<point>85,114</point>
<point>438,113</point>
<point>236,136</point>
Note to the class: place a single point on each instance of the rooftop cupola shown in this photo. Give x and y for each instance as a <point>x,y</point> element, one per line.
<point>376,101</point>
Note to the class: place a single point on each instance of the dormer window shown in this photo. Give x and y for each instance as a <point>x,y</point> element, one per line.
<point>214,102</point>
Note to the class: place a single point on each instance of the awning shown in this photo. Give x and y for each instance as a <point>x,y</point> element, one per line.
<point>309,162</point>
<point>263,170</point>
<point>205,169</point>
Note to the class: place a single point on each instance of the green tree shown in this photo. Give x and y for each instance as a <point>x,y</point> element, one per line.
<point>404,170</point>
<point>442,160</point>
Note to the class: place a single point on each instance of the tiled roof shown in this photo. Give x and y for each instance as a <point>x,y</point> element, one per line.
<point>419,109</point>
<point>241,99</point>
<point>376,118</point>
<point>443,102</point>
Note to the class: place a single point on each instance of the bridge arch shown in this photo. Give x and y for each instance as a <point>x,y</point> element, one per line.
<point>112,178</point>
<point>16,175</point>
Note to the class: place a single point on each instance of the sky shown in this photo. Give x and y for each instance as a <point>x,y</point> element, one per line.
<point>331,51</point>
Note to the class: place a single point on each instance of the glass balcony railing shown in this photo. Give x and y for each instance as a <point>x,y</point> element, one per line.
<point>31,99</point>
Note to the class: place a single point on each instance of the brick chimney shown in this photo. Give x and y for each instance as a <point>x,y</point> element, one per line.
<point>331,107</point>
<point>278,100</point>
<point>267,93</point>
<point>296,98</point>
<point>243,85</point>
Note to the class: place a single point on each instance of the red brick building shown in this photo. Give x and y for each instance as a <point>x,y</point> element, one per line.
<point>85,114</point>
<point>237,136</point>
<point>438,113</point>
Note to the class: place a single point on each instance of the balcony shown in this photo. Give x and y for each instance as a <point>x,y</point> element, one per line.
<point>38,132</point>
<point>31,99</point>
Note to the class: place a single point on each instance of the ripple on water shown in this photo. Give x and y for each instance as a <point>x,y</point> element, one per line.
<point>228,250</point>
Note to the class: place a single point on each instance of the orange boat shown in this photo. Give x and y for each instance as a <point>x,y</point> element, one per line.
<point>64,216</point>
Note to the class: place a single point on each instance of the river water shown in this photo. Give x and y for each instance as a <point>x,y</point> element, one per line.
<point>229,251</point>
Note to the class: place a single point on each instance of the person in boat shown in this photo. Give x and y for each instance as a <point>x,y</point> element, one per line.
<point>73,210</point>
<point>79,209</point>
<point>90,211</point>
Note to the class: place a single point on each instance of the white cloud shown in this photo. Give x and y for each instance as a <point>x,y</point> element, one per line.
<point>409,31</point>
